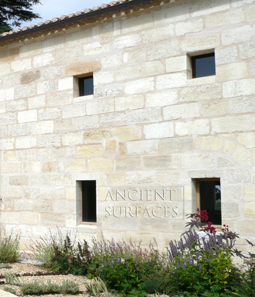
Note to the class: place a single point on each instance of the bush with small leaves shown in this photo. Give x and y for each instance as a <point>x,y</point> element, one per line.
<point>10,290</point>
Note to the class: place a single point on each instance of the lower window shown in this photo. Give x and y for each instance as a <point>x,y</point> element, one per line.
<point>209,198</point>
<point>86,201</point>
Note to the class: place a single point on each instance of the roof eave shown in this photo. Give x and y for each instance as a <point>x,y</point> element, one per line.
<point>74,19</point>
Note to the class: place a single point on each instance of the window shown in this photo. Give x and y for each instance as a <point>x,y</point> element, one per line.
<point>86,86</point>
<point>86,201</point>
<point>203,65</point>
<point>209,198</point>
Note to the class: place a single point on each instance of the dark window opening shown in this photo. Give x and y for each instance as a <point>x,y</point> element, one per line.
<point>209,199</point>
<point>89,201</point>
<point>203,65</point>
<point>86,86</point>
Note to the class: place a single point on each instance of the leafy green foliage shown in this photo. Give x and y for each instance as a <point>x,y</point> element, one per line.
<point>96,288</point>
<point>9,248</point>
<point>12,13</point>
<point>123,276</point>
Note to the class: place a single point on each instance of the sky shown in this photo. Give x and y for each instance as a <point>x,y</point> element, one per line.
<point>48,9</point>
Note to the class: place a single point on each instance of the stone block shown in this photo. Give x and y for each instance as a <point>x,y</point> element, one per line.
<point>232,71</point>
<point>177,64</point>
<point>160,130</point>
<point>7,144</point>
<point>18,180</point>
<point>206,42</point>
<point>49,113</point>
<point>73,111</point>
<point>49,140</point>
<point>111,60</point>
<point>36,102</point>
<point>100,164</point>
<point>47,86</point>
<point>128,163</point>
<point>249,192</point>
<point>237,176</point>
<point>175,145</point>
<point>25,142</point>
<point>249,209</point>
<point>6,94</point>
<point>62,153</point>
<point>237,35</point>
<point>198,127</point>
<point>163,98</point>
<point>12,217</point>
<point>23,205</point>
<point>247,139</point>
<point>82,67</point>
<point>29,77</point>
<point>10,168</point>
<point>87,122</point>
<point>95,136</point>
<point>130,56</point>
<point>72,138</point>
<point>127,41</point>
<point>63,126</point>
<point>52,219</point>
<point>201,8</point>
<point>77,166</point>
<point>43,60</point>
<point>16,105</point>
<point>137,23</point>
<point>142,147</point>
<point>215,108</point>
<point>21,65</point>
<point>163,50</point>
<point>42,127</point>
<point>127,133</point>
<point>247,50</point>
<point>169,81</point>
<point>230,210</point>
<point>230,124</point>
<point>140,178</point>
<point>139,86</point>
<point>183,28</point>
<point>157,162</point>
<point>181,111</point>
<point>146,115</point>
<point>126,73</point>
<point>65,83</point>
<point>5,69</point>
<point>152,35</point>
<point>29,218</point>
<point>109,90</point>
<point>89,151</point>
<point>27,116</point>
<point>226,55</point>
<point>62,179</point>
<point>110,146</point>
<point>132,102</point>
<point>25,91</point>
<point>52,72</point>
<point>53,166</point>
<point>99,106</point>
<point>232,16</point>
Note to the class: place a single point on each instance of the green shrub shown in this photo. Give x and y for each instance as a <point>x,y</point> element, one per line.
<point>122,276</point>
<point>10,290</point>
<point>9,248</point>
<point>96,287</point>
<point>69,287</point>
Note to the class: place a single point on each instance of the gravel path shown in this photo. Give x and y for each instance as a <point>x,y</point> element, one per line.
<point>58,279</point>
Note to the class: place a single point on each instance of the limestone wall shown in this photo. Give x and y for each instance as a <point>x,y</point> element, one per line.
<point>149,129</point>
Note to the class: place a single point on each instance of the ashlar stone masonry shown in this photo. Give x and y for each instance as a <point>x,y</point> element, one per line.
<point>148,133</point>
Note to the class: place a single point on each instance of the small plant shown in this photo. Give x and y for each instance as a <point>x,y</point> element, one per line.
<point>69,287</point>
<point>9,248</point>
<point>10,290</point>
<point>59,253</point>
<point>11,279</point>
<point>96,287</point>
<point>36,288</point>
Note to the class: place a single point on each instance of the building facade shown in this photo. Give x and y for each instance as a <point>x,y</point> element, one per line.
<point>122,119</point>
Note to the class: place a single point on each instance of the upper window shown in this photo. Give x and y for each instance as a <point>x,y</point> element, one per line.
<point>203,65</point>
<point>86,86</point>
<point>209,198</point>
